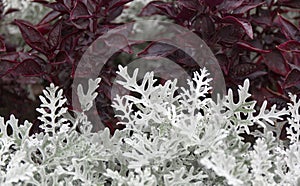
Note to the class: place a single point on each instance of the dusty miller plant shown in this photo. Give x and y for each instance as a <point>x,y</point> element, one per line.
<point>173,136</point>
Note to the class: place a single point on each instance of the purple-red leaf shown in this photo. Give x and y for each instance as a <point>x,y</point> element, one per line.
<point>33,37</point>
<point>249,47</point>
<point>80,15</point>
<point>230,34</point>
<point>156,49</point>
<point>289,3</point>
<point>292,79</point>
<point>61,57</point>
<point>213,3</point>
<point>290,46</point>
<point>275,62</point>
<point>117,3</point>
<point>229,5</point>
<point>28,67</point>
<point>288,29</point>
<point>246,25</point>
<point>49,17</point>
<point>151,8</point>
<point>243,69</point>
<point>6,66</point>
<point>188,4</point>
<point>58,7</point>
<point>54,35</point>
<point>245,7</point>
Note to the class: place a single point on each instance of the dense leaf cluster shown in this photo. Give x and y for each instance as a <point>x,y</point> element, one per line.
<point>251,39</point>
<point>183,139</point>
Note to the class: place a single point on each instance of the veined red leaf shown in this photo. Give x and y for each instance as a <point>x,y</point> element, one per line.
<point>10,57</point>
<point>275,62</point>
<point>54,35</point>
<point>292,79</point>
<point>246,25</point>
<point>117,3</point>
<point>245,7</point>
<point>6,66</point>
<point>58,7</point>
<point>33,37</point>
<point>80,15</point>
<point>243,69</point>
<point>289,3</point>
<point>188,4</point>
<point>79,11</point>
<point>288,28</point>
<point>290,46</point>
<point>11,10</point>
<point>151,8</point>
<point>156,49</point>
<point>213,3</point>
<point>249,47</point>
<point>49,17</point>
<point>229,5</point>
<point>28,67</point>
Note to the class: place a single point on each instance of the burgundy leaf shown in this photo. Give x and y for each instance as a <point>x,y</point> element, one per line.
<point>61,57</point>
<point>49,17</point>
<point>249,47</point>
<point>230,34</point>
<point>224,63</point>
<point>292,79</point>
<point>6,67</point>
<point>289,3</point>
<point>10,57</point>
<point>243,69</point>
<point>112,14</point>
<point>245,7</point>
<point>288,29</point>
<point>246,25</point>
<point>264,17</point>
<point>156,49</point>
<point>229,5</point>
<point>213,3</point>
<point>117,40</point>
<point>157,7</point>
<point>69,4</point>
<point>58,7</point>
<point>44,29</point>
<point>54,35</point>
<point>151,8</point>
<point>290,46</point>
<point>28,67</point>
<point>189,4</point>
<point>11,10</point>
<point>79,11</point>
<point>205,26</point>
<point>275,62</point>
<point>80,15</point>
<point>117,3</point>
<point>33,37</point>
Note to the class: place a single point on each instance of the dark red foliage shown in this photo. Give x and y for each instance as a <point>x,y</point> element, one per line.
<point>58,42</point>
<point>250,38</point>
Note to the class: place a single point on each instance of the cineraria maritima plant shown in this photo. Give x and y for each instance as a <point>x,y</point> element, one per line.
<point>171,139</point>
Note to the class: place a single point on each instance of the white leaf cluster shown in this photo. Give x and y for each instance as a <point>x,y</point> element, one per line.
<point>173,136</point>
